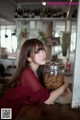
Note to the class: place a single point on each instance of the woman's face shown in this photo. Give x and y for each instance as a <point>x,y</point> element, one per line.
<point>40,56</point>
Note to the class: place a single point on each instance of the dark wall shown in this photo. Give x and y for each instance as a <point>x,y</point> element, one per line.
<point>7,9</point>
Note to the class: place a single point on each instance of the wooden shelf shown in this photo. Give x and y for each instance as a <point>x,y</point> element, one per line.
<point>42,19</point>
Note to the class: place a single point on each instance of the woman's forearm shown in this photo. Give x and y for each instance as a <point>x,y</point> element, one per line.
<point>56,93</point>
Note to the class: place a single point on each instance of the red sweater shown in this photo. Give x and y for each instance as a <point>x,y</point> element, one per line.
<point>29,92</point>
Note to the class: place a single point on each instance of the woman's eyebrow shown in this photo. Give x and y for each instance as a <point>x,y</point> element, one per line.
<point>37,50</point>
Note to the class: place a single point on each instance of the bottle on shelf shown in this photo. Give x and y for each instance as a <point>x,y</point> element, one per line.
<point>68,66</point>
<point>33,13</point>
<point>38,12</point>
<point>20,12</point>
<point>25,13</point>
<point>16,13</point>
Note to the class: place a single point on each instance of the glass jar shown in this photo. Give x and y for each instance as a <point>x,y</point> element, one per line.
<point>53,75</point>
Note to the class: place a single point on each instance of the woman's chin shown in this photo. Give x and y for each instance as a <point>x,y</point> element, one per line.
<point>43,63</point>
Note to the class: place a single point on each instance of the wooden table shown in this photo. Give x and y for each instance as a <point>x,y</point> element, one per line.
<point>49,112</point>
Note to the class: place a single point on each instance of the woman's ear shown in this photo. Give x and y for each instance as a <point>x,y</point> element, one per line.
<point>29,59</point>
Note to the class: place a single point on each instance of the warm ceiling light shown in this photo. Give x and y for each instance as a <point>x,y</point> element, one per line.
<point>44,3</point>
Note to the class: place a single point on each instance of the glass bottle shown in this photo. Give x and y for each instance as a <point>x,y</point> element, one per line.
<point>16,13</point>
<point>53,75</point>
<point>68,66</point>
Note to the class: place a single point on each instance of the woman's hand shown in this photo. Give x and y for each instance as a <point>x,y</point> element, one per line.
<point>65,92</point>
<point>56,93</point>
<point>66,85</point>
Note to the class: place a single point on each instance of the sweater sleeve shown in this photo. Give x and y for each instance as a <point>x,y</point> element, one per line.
<point>39,97</point>
<point>39,93</point>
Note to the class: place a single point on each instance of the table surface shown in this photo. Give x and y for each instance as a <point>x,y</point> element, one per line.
<point>49,112</point>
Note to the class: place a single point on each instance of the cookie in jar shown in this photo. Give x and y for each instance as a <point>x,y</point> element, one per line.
<point>53,75</point>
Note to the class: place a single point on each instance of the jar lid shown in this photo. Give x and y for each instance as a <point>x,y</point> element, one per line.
<point>54,65</point>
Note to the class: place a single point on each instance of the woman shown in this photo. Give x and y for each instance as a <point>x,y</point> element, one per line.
<point>27,89</point>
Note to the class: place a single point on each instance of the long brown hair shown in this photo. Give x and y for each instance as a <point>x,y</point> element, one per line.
<point>28,48</point>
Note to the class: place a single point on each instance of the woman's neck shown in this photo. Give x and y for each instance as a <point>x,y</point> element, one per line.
<point>34,68</point>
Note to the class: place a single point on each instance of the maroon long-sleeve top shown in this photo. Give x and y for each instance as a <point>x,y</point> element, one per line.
<point>29,92</point>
